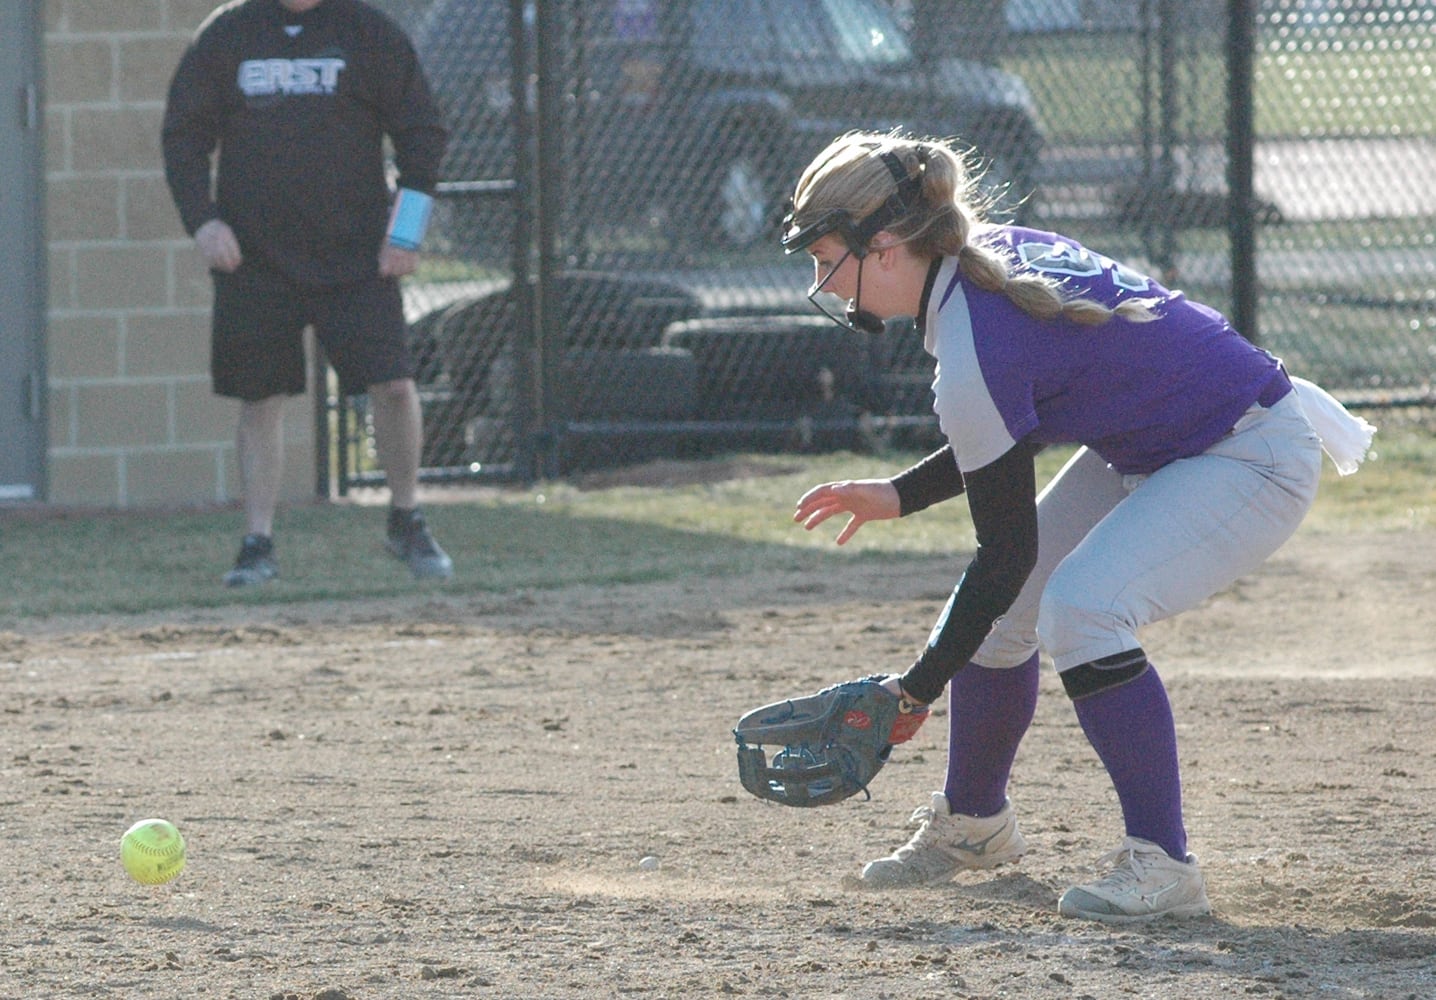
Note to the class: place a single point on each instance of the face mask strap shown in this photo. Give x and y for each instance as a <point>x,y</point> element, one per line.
<point>818,287</point>
<point>899,203</point>
<point>855,317</point>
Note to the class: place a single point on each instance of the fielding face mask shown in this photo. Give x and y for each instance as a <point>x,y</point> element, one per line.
<point>857,235</point>
<point>852,316</point>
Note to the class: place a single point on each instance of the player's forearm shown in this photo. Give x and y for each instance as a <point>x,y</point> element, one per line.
<point>191,196</point>
<point>933,480</point>
<point>189,135</point>
<point>413,122</point>
<point>980,599</point>
<point>1002,498</point>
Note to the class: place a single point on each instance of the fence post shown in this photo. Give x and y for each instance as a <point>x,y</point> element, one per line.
<point>527,414</point>
<point>549,148</point>
<point>323,489</point>
<point>1241,153</point>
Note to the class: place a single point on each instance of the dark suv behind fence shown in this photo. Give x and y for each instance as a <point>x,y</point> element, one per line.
<point>693,117</point>
<point>685,125</point>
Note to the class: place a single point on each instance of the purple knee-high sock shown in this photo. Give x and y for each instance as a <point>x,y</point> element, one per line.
<point>1130,726</point>
<point>988,712</point>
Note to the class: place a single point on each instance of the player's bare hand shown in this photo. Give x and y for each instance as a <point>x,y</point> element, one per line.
<point>863,500</point>
<point>396,262</point>
<point>218,246</point>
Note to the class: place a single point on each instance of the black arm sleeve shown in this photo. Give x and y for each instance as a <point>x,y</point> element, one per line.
<point>933,480</point>
<point>1003,499</point>
<point>192,123</point>
<point>414,122</point>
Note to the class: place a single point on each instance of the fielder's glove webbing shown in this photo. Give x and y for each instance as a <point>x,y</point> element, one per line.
<point>826,746</point>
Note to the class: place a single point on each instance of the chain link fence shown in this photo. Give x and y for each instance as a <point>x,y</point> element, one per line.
<point>603,283</point>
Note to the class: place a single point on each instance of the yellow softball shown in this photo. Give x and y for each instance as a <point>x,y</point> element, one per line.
<point>152,851</point>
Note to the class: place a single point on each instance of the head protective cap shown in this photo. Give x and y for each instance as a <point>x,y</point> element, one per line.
<point>857,234</point>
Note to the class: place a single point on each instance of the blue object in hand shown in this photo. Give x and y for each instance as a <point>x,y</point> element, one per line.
<point>409,218</point>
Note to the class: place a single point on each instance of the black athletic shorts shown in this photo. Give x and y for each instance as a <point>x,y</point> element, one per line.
<point>257,348</point>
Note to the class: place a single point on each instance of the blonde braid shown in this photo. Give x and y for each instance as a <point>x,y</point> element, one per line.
<point>1038,295</point>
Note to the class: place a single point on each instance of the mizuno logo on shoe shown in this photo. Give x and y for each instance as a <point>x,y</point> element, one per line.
<point>976,847</point>
<point>1150,898</point>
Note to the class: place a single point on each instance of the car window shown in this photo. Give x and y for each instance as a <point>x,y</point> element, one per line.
<point>459,36</point>
<point>800,32</point>
<point>620,52</point>
<point>464,47</point>
<point>866,33</point>
<point>731,35</point>
<point>635,20</point>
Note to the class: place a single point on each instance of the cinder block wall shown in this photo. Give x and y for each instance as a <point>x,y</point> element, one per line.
<point>132,420</point>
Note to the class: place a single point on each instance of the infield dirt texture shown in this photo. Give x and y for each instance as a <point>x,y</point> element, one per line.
<point>449,797</point>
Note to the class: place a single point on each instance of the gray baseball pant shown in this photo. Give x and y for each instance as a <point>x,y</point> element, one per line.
<point>1116,553</point>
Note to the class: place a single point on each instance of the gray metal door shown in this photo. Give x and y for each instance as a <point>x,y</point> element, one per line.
<point>22,292</point>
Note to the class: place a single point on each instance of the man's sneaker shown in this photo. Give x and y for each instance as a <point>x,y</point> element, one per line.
<point>1145,882</point>
<point>409,540</point>
<point>255,563</point>
<point>945,843</point>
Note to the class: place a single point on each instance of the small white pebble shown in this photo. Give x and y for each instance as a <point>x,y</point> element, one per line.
<point>648,864</point>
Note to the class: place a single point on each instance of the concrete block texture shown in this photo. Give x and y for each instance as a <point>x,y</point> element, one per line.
<point>146,65</point>
<point>79,70</point>
<point>176,476</point>
<point>84,346</point>
<point>122,415</point>
<point>122,276</point>
<point>85,480</point>
<point>82,208</point>
<point>132,419</point>
<point>121,138</point>
<point>83,17</point>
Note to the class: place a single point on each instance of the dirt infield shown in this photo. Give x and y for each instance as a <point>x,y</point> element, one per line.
<point>450,797</point>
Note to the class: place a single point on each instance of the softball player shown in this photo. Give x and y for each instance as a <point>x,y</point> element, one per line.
<point>1197,461</point>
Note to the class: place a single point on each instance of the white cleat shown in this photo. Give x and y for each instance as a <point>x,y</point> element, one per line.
<point>1144,883</point>
<point>946,843</point>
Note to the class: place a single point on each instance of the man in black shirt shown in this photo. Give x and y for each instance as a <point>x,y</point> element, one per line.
<point>299,228</point>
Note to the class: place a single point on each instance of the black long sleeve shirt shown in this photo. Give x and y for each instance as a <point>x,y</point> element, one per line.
<point>298,107</point>
<point>1002,499</point>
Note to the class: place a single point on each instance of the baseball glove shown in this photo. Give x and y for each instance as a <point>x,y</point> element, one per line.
<point>827,746</point>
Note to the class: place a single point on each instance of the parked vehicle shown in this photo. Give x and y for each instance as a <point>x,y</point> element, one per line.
<point>696,115</point>
<point>691,118</point>
<point>645,369</point>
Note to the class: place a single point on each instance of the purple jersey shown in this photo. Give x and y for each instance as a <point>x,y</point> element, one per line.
<point>1140,395</point>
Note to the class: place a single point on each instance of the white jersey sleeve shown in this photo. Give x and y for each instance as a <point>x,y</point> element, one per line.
<point>965,409</point>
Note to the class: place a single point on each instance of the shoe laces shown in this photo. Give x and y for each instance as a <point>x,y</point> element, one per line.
<point>925,819</point>
<point>420,542</point>
<point>922,816</point>
<point>1126,868</point>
